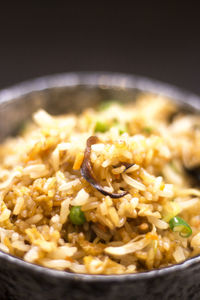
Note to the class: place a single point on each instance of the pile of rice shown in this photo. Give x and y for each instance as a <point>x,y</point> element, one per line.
<point>40,182</point>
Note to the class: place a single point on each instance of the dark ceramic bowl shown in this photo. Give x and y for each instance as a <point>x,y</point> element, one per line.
<point>72,92</point>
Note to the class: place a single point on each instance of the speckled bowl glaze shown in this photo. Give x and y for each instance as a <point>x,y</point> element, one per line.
<point>72,92</point>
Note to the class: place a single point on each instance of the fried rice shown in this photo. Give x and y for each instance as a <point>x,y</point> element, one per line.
<point>112,190</point>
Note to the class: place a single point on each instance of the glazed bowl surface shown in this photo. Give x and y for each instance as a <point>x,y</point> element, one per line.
<point>73,92</point>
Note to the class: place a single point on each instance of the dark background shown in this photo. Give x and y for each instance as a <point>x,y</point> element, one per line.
<point>158,39</point>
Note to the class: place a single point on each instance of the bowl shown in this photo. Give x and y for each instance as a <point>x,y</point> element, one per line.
<point>73,92</point>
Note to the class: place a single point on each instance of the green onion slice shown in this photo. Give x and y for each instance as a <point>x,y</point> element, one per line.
<point>179,225</point>
<point>76,215</point>
<point>121,128</point>
<point>101,127</point>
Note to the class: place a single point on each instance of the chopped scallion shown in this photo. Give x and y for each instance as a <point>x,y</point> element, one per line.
<point>101,127</point>
<point>121,127</point>
<point>179,225</point>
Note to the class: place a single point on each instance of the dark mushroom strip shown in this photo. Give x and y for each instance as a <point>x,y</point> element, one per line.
<point>88,174</point>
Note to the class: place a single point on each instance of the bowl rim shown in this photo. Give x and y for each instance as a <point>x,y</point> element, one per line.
<point>104,80</point>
